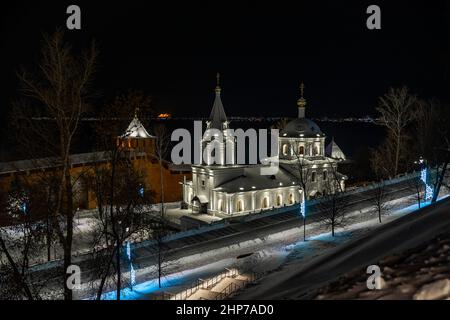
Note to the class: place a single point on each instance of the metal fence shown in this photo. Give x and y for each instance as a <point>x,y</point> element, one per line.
<point>197,285</point>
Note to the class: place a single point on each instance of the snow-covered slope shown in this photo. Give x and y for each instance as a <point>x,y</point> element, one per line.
<point>298,280</point>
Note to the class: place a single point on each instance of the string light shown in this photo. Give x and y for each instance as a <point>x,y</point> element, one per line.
<point>132,271</point>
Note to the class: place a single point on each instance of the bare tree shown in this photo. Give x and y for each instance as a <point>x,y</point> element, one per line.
<point>280,124</point>
<point>417,186</point>
<point>58,90</point>
<point>20,244</point>
<point>117,184</point>
<point>433,140</point>
<point>159,232</point>
<point>302,173</point>
<point>162,147</point>
<point>123,214</point>
<point>380,199</point>
<point>334,203</point>
<point>397,112</point>
<point>382,162</point>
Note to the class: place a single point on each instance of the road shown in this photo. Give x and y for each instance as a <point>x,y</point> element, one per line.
<point>299,281</point>
<point>231,234</point>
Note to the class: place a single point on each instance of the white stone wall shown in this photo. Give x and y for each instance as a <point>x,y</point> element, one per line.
<point>289,147</point>
<point>251,201</point>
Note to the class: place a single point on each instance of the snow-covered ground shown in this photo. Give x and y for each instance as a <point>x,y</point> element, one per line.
<point>279,255</point>
<point>299,278</point>
<point>271,254</point>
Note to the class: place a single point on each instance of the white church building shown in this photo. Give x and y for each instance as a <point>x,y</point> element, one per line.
<point>306,170</point>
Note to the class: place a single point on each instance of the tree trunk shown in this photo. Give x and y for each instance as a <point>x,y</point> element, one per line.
<point>159,264</point>
<point>397,155</point>
<point>48,240</point>
<point>105,276</point>
<point>118,269</point>
<point>17,275</point>
<point>162,187</point>
<point>68,294</point>
<point>304,228</point>
<point>439,184</point>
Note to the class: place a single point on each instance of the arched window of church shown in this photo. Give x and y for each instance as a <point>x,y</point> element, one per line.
<point>265,203</point>
<point>291,199</point>
<point>325,175</point>
<point>316,150</point>
<point>313,177</point>
<point>240,206</point>
<point>301,150</point>
<point>285,149</point>
<point>279,200</point>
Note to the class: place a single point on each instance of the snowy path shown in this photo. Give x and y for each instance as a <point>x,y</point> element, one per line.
<point>275,250</point>
<point>298,279</point>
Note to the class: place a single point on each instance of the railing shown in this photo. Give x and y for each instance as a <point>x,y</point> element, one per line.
<point>233,288</point>
<point>199,284</point>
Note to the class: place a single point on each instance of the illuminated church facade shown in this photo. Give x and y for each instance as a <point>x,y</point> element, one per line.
<point>307,169</point>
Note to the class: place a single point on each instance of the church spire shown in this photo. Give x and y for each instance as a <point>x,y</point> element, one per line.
<point>218,88</point>
<point>301,103</point>
<point>217,119</point>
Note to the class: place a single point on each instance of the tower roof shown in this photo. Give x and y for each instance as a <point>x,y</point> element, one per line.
<point>302,101</point>
<point>333,151</point>
<point>136,129</point>
<point>217,117</point>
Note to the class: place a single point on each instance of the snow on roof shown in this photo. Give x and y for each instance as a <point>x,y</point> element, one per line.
<point>51,162</point>
<point>333,151</point>
<point>253,180</point>
<point>217,117</point>
<point>136,130</point>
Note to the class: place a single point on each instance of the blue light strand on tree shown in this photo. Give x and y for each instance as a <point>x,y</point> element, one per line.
<point>428,190</point>
<point>132,271</point>
<point>141,191</point>
<point>303,209</point>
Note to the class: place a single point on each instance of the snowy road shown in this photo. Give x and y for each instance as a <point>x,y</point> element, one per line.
<point>272,240</point>
<point>299,280</point>
<point>271,253</point>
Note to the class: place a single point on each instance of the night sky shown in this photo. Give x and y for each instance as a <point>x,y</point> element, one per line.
<point>262,49</point>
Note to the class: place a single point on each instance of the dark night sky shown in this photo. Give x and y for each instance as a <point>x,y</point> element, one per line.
<point>262,49</point>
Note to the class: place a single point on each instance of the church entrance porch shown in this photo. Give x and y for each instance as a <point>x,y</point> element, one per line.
<point>199,207</point>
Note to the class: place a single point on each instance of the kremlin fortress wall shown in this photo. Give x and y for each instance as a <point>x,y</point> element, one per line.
<point>138,147</point>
